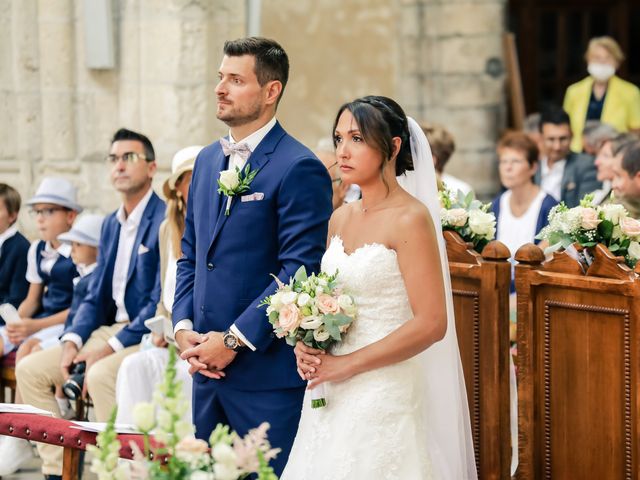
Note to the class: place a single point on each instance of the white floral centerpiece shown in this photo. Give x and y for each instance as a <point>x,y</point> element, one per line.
<point>471,218</point>
<point>587,225</point>
<point>227,456</point>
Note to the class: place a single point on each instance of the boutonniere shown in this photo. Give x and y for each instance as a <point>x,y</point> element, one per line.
<point>235,181</point>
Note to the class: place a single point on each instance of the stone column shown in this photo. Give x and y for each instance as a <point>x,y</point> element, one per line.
<point>446,51</point>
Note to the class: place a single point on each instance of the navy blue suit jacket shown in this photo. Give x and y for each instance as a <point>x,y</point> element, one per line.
<point>143,279</point>
<point>227,261</point>
<point>13,268</point>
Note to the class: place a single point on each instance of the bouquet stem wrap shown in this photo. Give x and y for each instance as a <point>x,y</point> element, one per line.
<point>318,397</point>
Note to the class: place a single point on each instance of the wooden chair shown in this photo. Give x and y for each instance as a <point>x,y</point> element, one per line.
<point>480,286</point>
<point>578,364</point>
<point>8,377</point>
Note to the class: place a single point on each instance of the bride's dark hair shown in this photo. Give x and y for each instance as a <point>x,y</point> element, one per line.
<point>380,119</point>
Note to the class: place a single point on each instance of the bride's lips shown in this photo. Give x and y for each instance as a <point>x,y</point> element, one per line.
<point>345,168</point>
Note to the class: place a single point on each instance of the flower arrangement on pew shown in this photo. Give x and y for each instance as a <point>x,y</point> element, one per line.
<point>471,218</point>
<point>587,225</point>
<point>227,456</point>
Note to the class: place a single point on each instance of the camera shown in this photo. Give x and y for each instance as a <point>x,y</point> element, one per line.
<point>72,388</point>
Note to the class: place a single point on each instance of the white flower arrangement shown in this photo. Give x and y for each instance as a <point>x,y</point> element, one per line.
<point>227,456</point>
<point>471,218</point>
<point>588,225</point>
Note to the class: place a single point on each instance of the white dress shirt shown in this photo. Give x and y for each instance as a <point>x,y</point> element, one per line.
<point>49,258</point>
<point>551,178</point>
<point>128,231</point>
<point>236,160</point>
<point>7,234</point>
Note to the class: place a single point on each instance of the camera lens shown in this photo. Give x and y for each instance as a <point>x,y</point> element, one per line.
<point>72,388</point>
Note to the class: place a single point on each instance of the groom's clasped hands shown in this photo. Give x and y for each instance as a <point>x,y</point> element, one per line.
<point>205,353</point>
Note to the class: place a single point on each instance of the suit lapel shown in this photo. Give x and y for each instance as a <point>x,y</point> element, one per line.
<point>219,164</point>
<point>258,159</point>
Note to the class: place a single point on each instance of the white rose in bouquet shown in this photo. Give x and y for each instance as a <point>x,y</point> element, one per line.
<point>303,299</point>
<point>482,224</point>
<point>321,334</point>
<point>589,218</point>
<point>634,250</point>
<point>230,179</point>
<point>289,297</point>
<point>456,217</point>
<point>613,212</point>
<point>311,323</point>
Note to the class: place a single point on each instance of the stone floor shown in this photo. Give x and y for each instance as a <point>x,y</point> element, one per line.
<point>31,471</point>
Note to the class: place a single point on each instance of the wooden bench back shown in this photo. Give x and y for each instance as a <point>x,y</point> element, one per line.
<point>480,286</point>
<point>578,359</point>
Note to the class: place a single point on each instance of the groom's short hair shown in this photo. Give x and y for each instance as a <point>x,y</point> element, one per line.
<point>272,62</point>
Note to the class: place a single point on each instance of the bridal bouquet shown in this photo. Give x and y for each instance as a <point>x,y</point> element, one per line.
<point>227,456</point>
<point>587,225</point>
<point>311,309</point>
<point>471,218</point>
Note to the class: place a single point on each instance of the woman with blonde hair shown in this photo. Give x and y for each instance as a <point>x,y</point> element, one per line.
<point>140,372</point>
<point>602,95</point>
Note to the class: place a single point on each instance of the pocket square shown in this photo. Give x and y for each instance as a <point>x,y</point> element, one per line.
<point>252,197</point>
<point>142,249</point>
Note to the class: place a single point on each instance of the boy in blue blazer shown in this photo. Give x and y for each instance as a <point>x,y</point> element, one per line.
<point>13,250</point>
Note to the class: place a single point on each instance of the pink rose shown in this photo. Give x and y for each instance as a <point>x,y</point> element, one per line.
<point>589,218</point>
<point>327,304</point>
<point>289,317</point>
<point>192,445</point>
<point>630,226</point>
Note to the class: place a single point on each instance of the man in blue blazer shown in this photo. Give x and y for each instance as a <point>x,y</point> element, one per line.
<point>243,375</point>
<point>124,292</point>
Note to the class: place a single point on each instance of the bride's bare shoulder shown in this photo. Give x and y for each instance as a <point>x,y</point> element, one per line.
<point>340,217</point>
<point>413,219</point>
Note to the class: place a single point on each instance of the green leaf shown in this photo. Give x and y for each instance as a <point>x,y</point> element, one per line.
<point>605,229</point>
<point>614,248</point>
<point>301,275</point>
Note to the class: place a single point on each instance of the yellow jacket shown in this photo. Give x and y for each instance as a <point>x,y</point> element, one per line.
<point>621,107</point>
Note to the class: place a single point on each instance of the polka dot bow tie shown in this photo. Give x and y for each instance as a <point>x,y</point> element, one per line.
<point>240,149</point>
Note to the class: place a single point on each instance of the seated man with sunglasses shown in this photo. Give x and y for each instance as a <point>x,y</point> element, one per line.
<point>109,324</point>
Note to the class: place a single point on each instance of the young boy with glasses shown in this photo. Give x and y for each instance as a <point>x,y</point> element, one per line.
<point>50,269</point>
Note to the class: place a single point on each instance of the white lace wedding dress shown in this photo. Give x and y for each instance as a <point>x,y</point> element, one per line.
<point>373,426</point>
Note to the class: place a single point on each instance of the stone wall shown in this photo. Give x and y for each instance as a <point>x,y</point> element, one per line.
<point>58,115</point>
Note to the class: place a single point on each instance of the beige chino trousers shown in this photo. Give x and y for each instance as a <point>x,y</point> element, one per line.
<point>39,372</point>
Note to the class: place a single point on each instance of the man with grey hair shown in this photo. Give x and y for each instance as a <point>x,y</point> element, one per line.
<point>595,134</point>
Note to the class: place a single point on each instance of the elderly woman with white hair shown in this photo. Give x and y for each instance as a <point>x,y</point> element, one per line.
<point>140,372</point>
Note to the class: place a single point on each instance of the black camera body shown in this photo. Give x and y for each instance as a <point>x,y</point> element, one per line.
<point>72,387</point>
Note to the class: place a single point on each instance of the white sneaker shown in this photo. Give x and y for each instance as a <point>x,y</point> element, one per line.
<point>14,453</point>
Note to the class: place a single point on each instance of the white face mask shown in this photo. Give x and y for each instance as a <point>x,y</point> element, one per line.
<point>601,71</point>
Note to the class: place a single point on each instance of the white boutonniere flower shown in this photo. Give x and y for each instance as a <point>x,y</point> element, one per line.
<point>235,181</point>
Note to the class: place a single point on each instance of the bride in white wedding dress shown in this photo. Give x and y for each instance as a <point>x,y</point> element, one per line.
<point>397,407</point>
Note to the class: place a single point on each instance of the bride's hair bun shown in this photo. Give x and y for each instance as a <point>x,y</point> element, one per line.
<point>380,119</point>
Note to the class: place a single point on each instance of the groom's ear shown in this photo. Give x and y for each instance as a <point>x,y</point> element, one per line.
<point>273,90</point>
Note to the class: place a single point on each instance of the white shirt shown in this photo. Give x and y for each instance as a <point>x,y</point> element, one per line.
<point>128,231</point>
<point>551,178</point>
<point>49,258</point>
<point>235,160</point>
<point>602,193</point>
<point>516,231</point>
<point>454,184</point>
<point>7,234</point>
<point>169,286</point>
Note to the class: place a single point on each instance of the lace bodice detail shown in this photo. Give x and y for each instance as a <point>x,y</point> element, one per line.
<point>371,275</point>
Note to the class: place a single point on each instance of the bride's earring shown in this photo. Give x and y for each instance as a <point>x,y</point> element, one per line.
<point>180,201</point>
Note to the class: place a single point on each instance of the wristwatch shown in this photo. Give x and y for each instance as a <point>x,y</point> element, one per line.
<point>231,340</point>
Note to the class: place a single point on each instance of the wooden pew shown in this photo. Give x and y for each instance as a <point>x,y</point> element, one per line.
<point>577,365</point>
<point>480,286</point>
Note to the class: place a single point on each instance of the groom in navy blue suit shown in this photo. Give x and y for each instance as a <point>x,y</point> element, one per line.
<point>243,375</point>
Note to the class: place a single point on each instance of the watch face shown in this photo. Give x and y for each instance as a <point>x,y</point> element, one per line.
<point>230,341</point>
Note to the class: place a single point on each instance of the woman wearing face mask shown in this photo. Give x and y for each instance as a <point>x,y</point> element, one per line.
<point>602,95</point>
